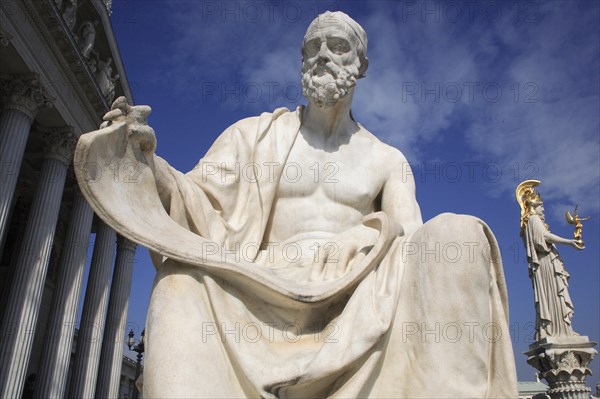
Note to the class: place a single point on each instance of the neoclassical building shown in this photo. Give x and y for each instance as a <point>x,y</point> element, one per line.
<point>59,71</point>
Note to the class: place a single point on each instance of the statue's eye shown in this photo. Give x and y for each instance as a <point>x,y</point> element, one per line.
<point>338,47</point>
<point>312,48</point>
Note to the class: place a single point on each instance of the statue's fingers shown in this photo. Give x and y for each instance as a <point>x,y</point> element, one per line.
<point>113,114</point>
<point>357,258</point>
<point>339,268</point>
<point>330,269</point>
<point>120,103</point>
<point>319,265</point>
<point>339,264</point>
<point>345,259</point>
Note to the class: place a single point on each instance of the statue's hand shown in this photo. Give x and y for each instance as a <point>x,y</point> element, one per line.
<point>135,118</point>
<point>334,257</point>
<point>577,244</point>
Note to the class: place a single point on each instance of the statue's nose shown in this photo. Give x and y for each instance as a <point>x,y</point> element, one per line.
<point>323,60</point>
<point>323,56</point>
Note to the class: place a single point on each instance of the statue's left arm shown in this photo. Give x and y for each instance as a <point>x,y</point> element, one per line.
<point>398,198</point>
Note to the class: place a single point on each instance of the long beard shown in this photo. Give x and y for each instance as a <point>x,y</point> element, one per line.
<point>327,84</point>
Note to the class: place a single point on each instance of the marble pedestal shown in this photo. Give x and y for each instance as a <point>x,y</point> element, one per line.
<point>563,363</point>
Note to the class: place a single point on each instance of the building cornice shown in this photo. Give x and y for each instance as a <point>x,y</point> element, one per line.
<point>77,82</point>
<point>57,35</point>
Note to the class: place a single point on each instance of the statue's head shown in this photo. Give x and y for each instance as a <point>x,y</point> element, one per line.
<point>534,203</point>
<point>334,56</point>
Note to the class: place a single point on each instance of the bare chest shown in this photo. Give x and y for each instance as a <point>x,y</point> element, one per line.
<point>345,175</point>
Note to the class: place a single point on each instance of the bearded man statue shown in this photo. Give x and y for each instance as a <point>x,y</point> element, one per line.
<point>292,261</point>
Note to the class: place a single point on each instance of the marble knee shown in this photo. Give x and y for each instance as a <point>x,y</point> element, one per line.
<point>451,239</point>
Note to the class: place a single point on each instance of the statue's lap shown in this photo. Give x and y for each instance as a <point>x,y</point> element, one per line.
<point>447,318</point>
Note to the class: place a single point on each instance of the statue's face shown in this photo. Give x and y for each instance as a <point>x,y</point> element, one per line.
<point>331,65</point>
<point>539,210</point>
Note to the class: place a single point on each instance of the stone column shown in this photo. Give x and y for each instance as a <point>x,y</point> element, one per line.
<point>54,367</point>
<point>19,322</point>
<point>22,95</point>
<point>89,343</point>
<point>111,359</point>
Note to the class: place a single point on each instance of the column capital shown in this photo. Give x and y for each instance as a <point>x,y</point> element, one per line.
<point>24,93</point>
<point>59,143</point>
<point>124,243</point>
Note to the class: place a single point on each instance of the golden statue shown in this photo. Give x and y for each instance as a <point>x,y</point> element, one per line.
<point>554,309</point>
<point>576,220</point>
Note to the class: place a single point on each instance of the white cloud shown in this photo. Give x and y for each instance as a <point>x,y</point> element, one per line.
<point>559,130</point>
<point>218,45</point>
<point>412,75</point>
<point>544,60</point>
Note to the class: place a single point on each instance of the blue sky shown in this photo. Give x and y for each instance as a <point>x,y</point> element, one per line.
<point>478,95</point>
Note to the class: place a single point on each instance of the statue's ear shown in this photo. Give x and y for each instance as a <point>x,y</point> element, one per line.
<point>362,71</point>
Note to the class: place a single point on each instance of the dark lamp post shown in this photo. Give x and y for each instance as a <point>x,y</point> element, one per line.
<point>139,348</point>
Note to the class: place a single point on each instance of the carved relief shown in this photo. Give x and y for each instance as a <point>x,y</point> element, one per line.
<point>69,12</point>
<point>105,79</point>
<point>87,37</point>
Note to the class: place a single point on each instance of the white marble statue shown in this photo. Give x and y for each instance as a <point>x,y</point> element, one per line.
<point>553,306</point>
<point>292,261</point>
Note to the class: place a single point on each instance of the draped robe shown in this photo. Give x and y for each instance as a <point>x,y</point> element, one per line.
<point>418,315</point>
<point>553,306</point>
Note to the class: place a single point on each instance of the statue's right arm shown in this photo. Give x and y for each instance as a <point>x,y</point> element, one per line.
<point>142,136</point>
<point>554,239</point>
<point>544,234</point>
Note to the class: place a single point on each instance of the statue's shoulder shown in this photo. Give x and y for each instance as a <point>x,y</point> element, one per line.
<point>245,125</point>
<point>535,219</point>
<point>253,124</point>
<point>385,152</point>
<point>245,132</point>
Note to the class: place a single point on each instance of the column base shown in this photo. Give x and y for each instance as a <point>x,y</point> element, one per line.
<point>563,363</point>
